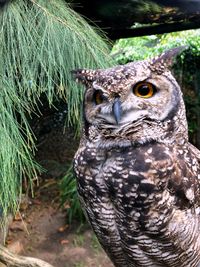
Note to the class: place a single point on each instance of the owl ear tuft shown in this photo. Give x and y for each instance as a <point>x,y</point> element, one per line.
<point>84,76</point>
<point>165,60</point>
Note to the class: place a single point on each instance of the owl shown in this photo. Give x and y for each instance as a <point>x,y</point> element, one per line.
<point>137,174</point>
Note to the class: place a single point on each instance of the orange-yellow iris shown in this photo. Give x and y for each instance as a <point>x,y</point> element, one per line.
<point>144,89</point>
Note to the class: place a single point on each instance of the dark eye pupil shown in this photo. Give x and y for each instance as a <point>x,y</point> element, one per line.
<point>98,97</point>
<point>143,90</point>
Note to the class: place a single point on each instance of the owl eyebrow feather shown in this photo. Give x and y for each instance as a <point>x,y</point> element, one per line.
<point>96,86</point>
<point>146,80</point>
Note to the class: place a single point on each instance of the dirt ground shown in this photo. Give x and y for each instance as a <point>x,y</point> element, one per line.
<point>40,230</point>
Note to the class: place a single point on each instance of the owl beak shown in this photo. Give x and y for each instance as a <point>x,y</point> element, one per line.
<point>117,110</point>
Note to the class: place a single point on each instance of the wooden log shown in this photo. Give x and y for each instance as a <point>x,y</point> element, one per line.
<point>11,260</point>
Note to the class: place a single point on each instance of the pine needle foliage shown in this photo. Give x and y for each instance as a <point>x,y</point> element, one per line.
<point>41,41</point>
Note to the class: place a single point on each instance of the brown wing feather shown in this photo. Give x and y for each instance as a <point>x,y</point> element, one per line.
<point>185,182</point>
<point>195,151</point>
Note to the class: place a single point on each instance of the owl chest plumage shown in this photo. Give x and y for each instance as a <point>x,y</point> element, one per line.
<point>125,194</point>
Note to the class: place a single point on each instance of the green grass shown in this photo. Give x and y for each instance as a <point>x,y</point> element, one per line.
<point>79,240</point>
<point>79,264</point>
<point>95,245</point>
<point>69,197</point>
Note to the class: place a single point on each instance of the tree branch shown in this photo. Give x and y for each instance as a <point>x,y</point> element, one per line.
<point>12,260</point>
<point>114,34</point>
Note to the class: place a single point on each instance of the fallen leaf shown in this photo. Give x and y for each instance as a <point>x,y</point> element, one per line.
<point>63,228</point>
<point>18,217</point>
<point>64,242</point>
<point>36,202</point>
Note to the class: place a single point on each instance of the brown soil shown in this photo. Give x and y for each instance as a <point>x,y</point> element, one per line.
<point>40,230</point>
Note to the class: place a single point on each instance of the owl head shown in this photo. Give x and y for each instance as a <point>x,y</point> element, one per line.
<point>136,102</point>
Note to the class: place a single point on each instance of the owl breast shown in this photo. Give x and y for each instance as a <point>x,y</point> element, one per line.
<point>125,194</point>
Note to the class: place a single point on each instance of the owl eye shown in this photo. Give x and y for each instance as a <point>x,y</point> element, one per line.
<point>144,89</point>
<point>98,97</point>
